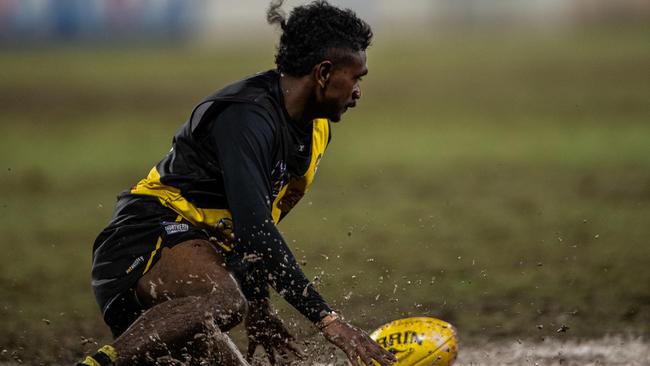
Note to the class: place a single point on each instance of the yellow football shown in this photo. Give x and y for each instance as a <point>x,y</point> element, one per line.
<point>419,341</point>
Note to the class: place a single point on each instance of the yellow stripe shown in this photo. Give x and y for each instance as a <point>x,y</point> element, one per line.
<point>146,268</point>
<point>171,197</point>
<point>276,212</point>
<point>109,351</point>
<point>153,254</point>
<point>296,188</point>
<point>90,362</point>
<point>292,191</point>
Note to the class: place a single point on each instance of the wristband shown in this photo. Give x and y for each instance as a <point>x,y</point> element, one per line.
<point>327,320</point>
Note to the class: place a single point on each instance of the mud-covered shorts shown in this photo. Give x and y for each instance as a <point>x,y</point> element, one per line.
<point>129,247</point>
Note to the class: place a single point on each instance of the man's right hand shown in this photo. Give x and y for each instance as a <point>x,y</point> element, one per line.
<point>356,344</point>
<point>266,329</point>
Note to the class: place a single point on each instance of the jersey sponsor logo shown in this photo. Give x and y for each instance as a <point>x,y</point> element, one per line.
<point>175,227</point>
<point>138,261</point>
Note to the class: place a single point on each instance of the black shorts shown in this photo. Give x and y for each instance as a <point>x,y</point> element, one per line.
<point>129,247</point>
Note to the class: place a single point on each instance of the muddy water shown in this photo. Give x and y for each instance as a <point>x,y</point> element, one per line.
<point>627,351</point>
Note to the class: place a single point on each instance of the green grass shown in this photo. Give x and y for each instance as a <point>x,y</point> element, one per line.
<point>497,182</point>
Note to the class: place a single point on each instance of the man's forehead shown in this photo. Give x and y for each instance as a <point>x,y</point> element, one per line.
<point>364,60</point>
<point>361,66</point>
<point>354,61</point>
<point>359,57</point>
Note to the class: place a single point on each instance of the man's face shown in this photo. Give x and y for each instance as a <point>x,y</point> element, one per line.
<point>343,89</point>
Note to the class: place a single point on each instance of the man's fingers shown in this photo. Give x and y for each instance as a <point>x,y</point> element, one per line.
<point>252,346</point>
<point>383,361</point>
<point>370,350</point>
<point>381,355</point>
<point>388,356</point>
<point>354,358</point>
<point>377,352</point>
<point>289,352</point>
<point>366,359</point>
<point>295,349</point>
<point>357,345</point>
<point>270,353</point>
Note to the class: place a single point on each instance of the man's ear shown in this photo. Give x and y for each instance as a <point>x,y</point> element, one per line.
<point>323,72</point>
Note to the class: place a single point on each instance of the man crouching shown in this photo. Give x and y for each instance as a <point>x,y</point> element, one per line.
<point>192,249</point>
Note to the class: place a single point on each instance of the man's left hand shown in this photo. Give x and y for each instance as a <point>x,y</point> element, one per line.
<point>265,329</point>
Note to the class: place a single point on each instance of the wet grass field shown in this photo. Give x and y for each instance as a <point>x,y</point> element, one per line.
<point>499,182</point>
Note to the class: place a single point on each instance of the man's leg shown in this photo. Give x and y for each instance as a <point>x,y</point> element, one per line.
<point>191,298</point>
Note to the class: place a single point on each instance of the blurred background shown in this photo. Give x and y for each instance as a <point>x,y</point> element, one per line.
<point>34,21</point>
<point>496,173</point>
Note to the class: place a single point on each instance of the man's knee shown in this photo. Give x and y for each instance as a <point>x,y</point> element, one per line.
<point>230,306</point>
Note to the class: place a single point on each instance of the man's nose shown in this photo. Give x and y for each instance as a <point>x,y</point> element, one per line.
<point>356,93</point>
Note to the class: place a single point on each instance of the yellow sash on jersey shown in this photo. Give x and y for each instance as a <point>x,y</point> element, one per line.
<point>290,193</point>
<point>296,188</point>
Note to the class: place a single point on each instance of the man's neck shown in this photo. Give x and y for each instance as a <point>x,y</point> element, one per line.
<point>296,92</point>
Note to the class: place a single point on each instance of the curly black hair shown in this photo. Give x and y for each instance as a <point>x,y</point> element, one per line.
<point>315,32</point>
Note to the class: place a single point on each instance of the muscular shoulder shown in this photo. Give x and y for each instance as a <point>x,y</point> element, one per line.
<point>244,118</point>
<point>258,89</point>
<point>245,127</point>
